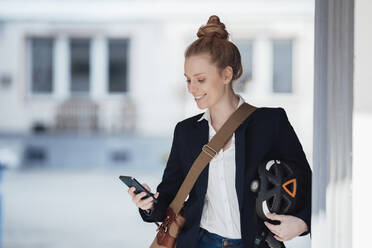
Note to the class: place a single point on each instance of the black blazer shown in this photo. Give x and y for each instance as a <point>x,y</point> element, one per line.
<point>265,134</point>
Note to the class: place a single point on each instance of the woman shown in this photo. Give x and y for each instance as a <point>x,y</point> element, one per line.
<point>220,209</point>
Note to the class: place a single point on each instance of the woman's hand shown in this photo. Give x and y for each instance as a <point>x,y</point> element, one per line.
<point>144,204</point>
<point>289,227</point>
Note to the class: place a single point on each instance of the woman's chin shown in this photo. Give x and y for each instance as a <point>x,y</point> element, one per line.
<point>201,106</point>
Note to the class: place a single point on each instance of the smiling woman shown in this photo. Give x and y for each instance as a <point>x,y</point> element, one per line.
<point>212,63</point>
<point>219,210</point>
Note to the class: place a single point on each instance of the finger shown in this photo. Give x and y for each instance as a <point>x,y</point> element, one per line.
<point>156,195</point>
<point>145,202</point>
<point>131,191</point>
<point>146,186</point>
<point>279,238</point>
<point>148,206</point>
<point>138,197</point>
<point>274,216</point>
<point>273,228</point>
<point>276,233</point>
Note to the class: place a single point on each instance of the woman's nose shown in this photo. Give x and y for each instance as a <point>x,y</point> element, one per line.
<point>192,88</point>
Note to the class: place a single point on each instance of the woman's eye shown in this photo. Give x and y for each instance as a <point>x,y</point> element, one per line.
<point>199,80</point>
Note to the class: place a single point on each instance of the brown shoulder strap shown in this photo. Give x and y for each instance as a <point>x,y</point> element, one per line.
<point>208,152</point>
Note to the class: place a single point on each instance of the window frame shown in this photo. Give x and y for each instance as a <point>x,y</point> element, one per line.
<point>107,67</point>
<point>29,65</point>
<point>293,68</point>
<point>87,94</point>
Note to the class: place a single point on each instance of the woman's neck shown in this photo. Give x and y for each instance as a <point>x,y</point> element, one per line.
<point>222,110</point>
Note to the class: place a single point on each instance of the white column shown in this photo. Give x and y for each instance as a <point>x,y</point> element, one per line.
<point>262,68</point>
<point>61,67</point>
<point>99,67</point>
<point>333,102</point>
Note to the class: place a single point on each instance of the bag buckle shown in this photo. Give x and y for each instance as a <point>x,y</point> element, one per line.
<point>209,151</point>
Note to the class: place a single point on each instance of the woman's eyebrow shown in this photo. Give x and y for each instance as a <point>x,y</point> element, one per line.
<point>195,74</point>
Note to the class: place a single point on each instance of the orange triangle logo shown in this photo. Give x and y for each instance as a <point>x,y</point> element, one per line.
<point>293,193</point>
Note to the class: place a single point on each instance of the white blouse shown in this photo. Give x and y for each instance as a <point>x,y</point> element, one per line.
<point>221,213</point>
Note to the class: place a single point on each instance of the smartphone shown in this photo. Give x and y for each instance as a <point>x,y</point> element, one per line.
<point>132,182</point>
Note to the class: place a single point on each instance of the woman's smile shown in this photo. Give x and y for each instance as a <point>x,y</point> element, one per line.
<point>198,98</point>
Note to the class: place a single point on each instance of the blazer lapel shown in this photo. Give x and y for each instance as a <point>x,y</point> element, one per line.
<point>240,162</point>
<point>201,138</point>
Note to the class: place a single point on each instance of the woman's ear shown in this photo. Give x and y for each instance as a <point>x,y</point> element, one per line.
<point>227,74</point>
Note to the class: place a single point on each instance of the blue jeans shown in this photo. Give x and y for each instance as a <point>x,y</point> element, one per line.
<point>212,240</point>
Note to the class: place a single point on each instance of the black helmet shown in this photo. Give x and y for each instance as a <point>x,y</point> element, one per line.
<point>280,190</point>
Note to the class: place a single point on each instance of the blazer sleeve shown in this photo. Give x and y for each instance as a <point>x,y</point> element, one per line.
<point>170,183</point>
<point>288,147</point>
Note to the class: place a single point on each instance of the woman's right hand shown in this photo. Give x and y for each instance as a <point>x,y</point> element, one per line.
<point>144,204</point>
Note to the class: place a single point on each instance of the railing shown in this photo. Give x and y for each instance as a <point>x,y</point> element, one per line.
<point>77,115</point>
<point>84,115</point>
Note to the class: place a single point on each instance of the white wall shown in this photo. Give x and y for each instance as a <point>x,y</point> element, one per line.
<point>362,123</point>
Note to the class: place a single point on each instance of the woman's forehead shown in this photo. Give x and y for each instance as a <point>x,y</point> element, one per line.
<point>196,74</point>
<point>197,65</point>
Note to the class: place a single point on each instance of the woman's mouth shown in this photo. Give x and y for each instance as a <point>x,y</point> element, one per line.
<point>198,98</point>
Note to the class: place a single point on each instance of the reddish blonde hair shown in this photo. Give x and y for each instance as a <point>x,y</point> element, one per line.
<point>213,39</point>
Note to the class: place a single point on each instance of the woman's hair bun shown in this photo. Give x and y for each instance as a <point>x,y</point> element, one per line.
<point>213,28</point>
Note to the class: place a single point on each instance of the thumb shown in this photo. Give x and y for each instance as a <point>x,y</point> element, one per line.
<point>156,195</point>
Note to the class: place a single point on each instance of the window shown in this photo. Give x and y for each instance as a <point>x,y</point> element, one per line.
<point>246,52</point>
<point>282,66</point>
<point>41,65</point>
<point>118,65</point>
<point>79,65</point>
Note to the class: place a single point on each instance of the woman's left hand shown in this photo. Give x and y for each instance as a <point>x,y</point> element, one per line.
<point>289,227</point>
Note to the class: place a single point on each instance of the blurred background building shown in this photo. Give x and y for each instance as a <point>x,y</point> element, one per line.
<point>99,84</point>
<point>117,67</point>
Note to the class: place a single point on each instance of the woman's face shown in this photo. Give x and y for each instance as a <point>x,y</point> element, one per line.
<point>204,81</point>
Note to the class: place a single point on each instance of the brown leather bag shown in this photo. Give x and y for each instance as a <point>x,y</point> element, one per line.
<point>173,223</point>
<point>168,230</point>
